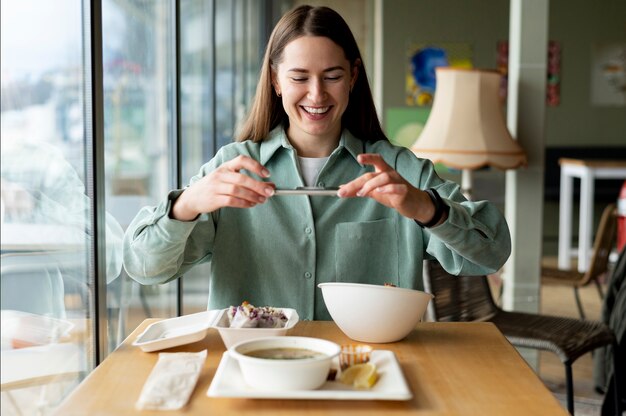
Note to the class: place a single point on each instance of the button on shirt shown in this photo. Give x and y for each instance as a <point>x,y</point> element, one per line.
<point>276,253</point>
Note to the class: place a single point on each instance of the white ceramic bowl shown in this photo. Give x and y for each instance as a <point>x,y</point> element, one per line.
<point>374,313</point>
<point>282,375</point>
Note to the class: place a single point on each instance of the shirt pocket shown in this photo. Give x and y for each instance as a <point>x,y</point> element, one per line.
<point>367,252</point>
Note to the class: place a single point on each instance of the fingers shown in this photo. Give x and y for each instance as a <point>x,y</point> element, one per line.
<point>247,163</point>
<point>351,188</point>
<point>375,160</point>
<point>242,186</point>
<point>227,186</point>
<point>381,178</point>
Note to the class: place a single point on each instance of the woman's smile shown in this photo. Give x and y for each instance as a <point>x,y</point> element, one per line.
<point>316,113</point>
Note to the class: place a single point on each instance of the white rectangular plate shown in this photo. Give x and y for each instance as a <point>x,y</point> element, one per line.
<point>391,385</point>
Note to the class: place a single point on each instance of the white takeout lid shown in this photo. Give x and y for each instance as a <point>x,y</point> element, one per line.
<point>177,331</point>
<point>191,328</point>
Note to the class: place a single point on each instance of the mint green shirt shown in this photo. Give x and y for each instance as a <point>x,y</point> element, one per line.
<point>276,253</point>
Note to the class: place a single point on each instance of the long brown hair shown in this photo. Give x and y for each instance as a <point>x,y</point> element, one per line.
<point>267,111</point>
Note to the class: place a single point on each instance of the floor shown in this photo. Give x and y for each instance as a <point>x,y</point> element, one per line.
<point>560,301</point>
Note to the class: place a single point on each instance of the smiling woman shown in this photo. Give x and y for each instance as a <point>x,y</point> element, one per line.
<point>312,123</point>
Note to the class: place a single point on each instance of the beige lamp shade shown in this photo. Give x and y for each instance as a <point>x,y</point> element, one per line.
<point>466,127</point>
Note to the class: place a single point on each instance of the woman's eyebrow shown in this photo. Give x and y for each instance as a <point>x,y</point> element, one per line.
<point>304,71</point>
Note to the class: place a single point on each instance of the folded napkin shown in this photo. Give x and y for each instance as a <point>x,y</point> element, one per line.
<point>171,381</point>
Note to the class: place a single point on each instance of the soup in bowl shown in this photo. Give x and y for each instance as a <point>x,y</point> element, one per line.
<point>285,363</point>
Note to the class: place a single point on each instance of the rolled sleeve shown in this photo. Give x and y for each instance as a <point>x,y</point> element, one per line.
<point>474,240</point>
<point>157,248</point>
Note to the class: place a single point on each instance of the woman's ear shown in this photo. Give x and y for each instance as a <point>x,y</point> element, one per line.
<point>275,83</point>
<point>355,73</point>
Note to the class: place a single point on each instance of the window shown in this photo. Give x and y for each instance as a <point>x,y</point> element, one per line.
<point>45,212</point>
<point>176,79</point>
<point>221,46</point>
<point>139,105</point>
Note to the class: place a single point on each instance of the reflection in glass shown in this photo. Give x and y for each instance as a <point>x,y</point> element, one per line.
<point>197,121</point>
<point>220,61</point>
<point>44,215</point>
<point>138,75</point>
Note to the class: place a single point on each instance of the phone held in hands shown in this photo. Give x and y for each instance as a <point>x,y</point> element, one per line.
<point>307,190</point>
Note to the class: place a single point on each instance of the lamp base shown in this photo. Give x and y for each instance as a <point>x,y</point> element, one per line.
<point>466,183</point>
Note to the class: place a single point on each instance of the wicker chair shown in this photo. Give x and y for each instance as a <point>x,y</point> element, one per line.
<point>469,298</point>
<point>603,244</point>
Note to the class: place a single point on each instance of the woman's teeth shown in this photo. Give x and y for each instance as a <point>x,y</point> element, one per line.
<point>316,110</point>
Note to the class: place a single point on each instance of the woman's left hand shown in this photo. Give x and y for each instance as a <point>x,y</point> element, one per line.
<point>386,186</point>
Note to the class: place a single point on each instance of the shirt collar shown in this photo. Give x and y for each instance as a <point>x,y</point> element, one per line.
<point>353,145</point>
<point>278,138</point>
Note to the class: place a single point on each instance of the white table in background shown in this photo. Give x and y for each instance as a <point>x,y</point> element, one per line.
<point>588,171</point>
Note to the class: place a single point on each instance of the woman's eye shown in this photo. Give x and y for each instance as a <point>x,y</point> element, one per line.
<point>335,78</point>
<point>295,79</point>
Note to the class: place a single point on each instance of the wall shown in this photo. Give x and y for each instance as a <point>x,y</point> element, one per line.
<point>576,24</point>
<point>480,23</point>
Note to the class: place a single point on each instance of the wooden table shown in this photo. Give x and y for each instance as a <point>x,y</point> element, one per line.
<point>588,171</point>
<point>451,369</point>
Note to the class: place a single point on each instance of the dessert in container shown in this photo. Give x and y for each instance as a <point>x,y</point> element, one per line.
<point>352,354</point>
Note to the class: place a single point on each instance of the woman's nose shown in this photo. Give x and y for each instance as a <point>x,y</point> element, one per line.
<point>317,92</point>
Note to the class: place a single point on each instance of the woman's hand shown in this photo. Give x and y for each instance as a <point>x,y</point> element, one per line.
<point>386,186</point>
<point>224,187</point>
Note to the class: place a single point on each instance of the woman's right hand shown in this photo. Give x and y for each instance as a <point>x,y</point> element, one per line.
<point>224,187</point>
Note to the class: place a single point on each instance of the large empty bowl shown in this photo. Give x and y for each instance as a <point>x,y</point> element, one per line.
<point>373,313</point>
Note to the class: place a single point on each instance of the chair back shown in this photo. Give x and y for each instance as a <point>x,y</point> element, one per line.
<point>458,298</point>
<point>603,244</point>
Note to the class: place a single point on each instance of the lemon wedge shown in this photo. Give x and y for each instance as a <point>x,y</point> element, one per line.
<point>360,376</point>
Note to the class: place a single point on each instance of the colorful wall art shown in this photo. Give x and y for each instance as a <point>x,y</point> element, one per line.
<point>608,74</point>
<point>553,84</point>
<point>422,59</point>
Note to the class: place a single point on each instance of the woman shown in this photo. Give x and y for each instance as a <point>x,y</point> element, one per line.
<point>313,123</point>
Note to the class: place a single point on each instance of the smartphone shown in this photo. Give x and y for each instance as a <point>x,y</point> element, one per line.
<point>307,190</point>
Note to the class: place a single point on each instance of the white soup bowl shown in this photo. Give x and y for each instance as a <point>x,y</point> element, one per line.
<point>285,374</point>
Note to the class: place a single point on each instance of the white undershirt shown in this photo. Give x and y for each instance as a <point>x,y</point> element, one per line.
<point>310,167</point>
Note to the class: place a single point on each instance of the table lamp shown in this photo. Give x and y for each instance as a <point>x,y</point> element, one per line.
<point>466,129</point>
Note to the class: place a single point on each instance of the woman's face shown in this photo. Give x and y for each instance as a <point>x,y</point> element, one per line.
<point>314,79</point>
